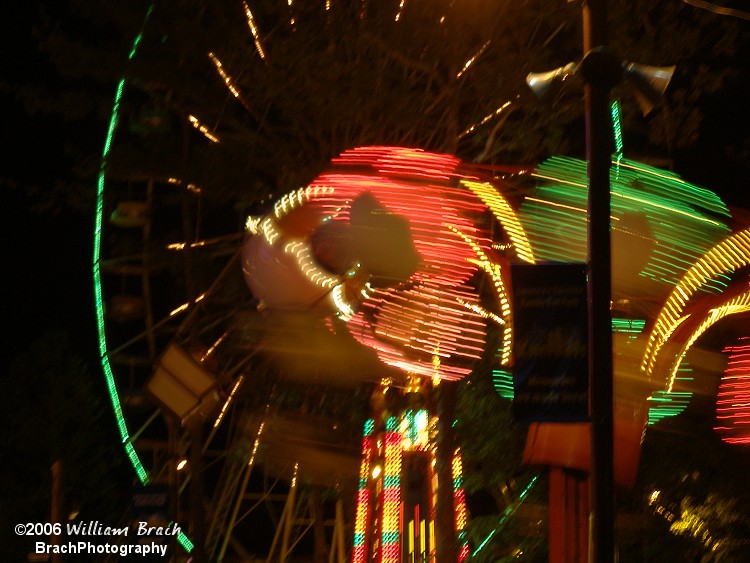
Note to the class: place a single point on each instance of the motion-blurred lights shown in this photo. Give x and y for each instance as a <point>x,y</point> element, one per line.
<point>733,399</point>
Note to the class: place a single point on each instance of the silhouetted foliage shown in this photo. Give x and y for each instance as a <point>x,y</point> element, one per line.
<point>326,76</point>
<point>54,411</point>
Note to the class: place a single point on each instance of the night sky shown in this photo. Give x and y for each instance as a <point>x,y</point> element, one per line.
<point>48,272</point>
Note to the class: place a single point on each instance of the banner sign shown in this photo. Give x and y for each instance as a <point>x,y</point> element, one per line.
<point>550,350</point>
<point>151,520</point>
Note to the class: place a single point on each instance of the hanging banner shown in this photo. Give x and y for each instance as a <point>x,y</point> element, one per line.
<point>550,351</point>
<point>151,526</point>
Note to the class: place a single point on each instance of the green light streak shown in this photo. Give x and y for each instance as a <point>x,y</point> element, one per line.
<point>671,209</point>
<point>411,426</point>
<point>617,128</point>
<point>109,376</point>
<point>684,220</point>
<point>185,542</point>
<point>628,326</point>
<point>502,380</point>
<point>509,510</point>
<point>664,404</point>
<point>392,424</point>
<point>369,426</point>
<point>98,299</point>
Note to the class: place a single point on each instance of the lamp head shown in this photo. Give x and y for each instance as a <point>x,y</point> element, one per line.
<point>543,83</point>
<point>648,83</point>
<point>601,66</point>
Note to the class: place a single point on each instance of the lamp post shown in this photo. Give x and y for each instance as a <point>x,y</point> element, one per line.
<point>601,71</point>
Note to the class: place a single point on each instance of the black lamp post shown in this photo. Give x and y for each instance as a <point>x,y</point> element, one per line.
<point>602,70</point>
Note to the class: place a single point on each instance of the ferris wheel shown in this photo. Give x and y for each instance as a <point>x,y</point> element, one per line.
<point>185,340</point>
<point>175,353</point>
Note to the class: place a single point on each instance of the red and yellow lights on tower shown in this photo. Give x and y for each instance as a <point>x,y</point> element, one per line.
<point>395,515</point>
<point>733,401</point>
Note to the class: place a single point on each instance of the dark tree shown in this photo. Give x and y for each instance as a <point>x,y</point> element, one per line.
<point>294,85</point>
<point>53,411</point>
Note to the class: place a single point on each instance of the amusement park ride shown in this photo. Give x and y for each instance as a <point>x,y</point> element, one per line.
<point>303,365</point>
<point>422,301</point>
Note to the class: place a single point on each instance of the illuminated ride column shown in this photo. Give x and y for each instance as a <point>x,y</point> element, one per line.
<point>395,514</point>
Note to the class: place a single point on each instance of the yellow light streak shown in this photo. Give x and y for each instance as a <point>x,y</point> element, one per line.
<point>256,443</point>
<point>560,205</point>
<point>179,309</point>
<point>184,245</point>
<point>214,346</point>
<point>185,306</point>
<point>504,213</point>
<point>736,305</point>
<point>495,273</point>
<point>224,76</point>
<point>717,260</point>
<point>473,59</point>
<point>400,9</point>
<point>481,311</point>
<point>559,180</point>
<point>225,406</point>
<point>254,30</point>
<point>292,21</point>
<point>484,120</point>
<point>195,122</point>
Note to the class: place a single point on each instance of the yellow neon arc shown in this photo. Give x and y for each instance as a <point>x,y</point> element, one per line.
<point>733,306</point>
<point>730,254</point>
<point>504,213</point>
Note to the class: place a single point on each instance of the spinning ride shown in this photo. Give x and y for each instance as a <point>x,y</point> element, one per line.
<point>397,244</point>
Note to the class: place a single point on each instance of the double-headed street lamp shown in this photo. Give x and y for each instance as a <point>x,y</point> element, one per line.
<point>601,71</point>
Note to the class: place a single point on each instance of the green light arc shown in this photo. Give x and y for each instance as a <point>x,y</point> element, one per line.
<point>109,376</point>
<point>98,299</point>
